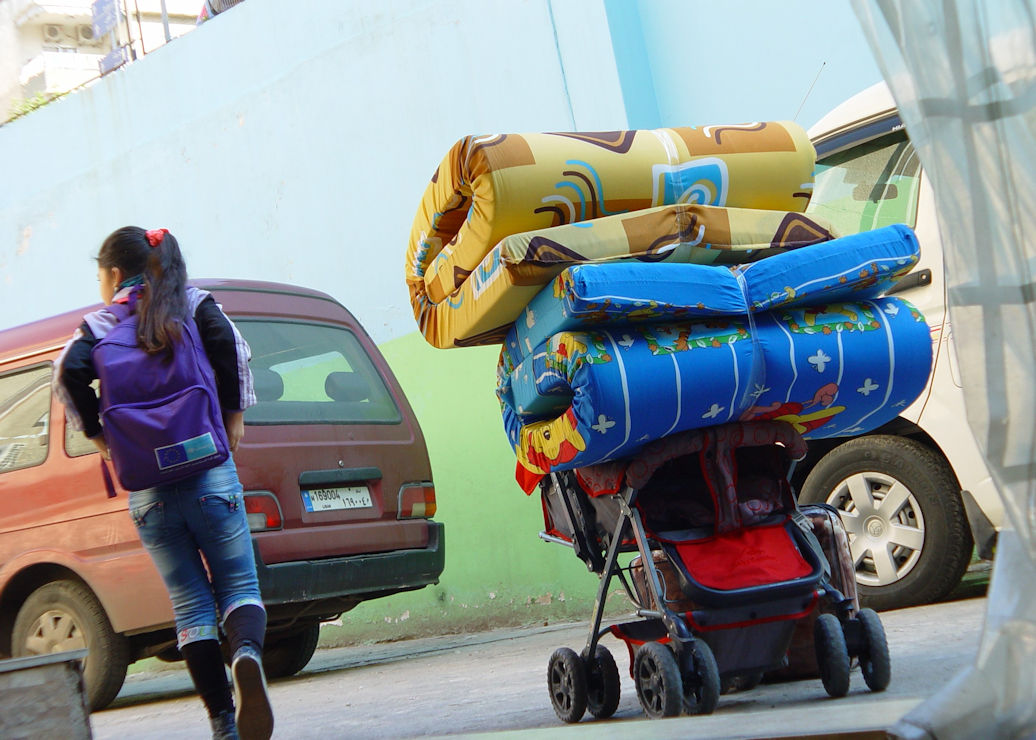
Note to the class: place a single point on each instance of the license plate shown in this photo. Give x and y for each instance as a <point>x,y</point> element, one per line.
<point>335,499</point>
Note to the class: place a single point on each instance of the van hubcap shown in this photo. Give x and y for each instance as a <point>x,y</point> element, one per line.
<point>54,632</point>
<point>885,526</point>
<point>875,527</point>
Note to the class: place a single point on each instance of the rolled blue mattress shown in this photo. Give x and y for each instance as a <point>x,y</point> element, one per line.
<point>851,268</point>
<point>583,397</point>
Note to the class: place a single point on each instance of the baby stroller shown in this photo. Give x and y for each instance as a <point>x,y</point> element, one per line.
<point>726,567</point>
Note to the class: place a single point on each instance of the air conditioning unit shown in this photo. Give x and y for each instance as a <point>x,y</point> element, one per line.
<point>53,32</point>
<point>85,34</point>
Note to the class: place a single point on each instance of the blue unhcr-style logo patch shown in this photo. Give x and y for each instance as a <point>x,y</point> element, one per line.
<point>181,453</point>
<point>701,182</point>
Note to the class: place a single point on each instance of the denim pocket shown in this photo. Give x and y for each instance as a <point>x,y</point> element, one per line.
<point>149,520</point>
<point>224,513</point>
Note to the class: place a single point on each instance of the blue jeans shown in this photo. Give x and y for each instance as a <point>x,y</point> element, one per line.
<point>181,522</point>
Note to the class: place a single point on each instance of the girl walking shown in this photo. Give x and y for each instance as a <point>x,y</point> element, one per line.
<point>194,527</point>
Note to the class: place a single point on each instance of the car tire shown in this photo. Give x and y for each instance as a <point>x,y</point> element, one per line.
<point>65,615</point>
<point>286,656</point>
<point>912,552</point>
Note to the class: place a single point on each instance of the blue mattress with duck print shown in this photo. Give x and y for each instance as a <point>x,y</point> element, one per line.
<point>622,354</point>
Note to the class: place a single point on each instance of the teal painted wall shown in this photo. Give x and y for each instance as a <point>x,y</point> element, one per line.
<point>634,58</point>
<point>303,160</point>
<point>679,63</point>
<point>290,145</point>
<point>693,62</point>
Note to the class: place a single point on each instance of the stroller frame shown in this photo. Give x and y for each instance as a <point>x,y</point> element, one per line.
<point>674,666</point>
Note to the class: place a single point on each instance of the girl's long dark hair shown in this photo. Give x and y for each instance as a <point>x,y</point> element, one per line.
<point>162,305</point>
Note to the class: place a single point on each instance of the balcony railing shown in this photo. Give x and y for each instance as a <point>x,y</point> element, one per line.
<point>58,71</point>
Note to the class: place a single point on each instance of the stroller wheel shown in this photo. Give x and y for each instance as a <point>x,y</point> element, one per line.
<point>832,654</point>
<point>566,681</point>
<point>701,684</point>
<point>602,684</point>
<point>656,675</point>
<point>874,657</point>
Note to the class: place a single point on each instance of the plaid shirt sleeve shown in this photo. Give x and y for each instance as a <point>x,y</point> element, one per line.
<point>74,373</point>
<point>228,352</point>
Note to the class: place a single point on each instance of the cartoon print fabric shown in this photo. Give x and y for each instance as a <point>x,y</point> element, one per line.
<point>584,397</point>
<point>851,268</point>
<point>488,188</point>
<point>645,283</point>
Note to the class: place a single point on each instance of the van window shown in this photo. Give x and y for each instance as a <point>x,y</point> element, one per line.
<point>24,417</point>
<point>869,186</point>
<point>313,374</point>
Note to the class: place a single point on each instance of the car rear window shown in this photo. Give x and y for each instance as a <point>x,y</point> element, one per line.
<point>307,373</point>
<point>868,186</point>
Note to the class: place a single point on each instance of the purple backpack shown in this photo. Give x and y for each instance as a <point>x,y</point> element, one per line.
<point>162,419</point>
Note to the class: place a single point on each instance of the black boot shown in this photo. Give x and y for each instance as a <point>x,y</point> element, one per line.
<point>205,664</point>
<point>223,726</point>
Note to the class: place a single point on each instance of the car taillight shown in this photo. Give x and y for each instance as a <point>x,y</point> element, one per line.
<point>263,511</point>
<point>416,501</point>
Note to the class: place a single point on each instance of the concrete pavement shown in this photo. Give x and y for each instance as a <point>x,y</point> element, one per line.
<point>495,683</point>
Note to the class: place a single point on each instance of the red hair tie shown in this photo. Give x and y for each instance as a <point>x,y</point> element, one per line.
<point>155,236</point>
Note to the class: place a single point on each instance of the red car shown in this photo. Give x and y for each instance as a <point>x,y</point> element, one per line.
<point>338,490</point>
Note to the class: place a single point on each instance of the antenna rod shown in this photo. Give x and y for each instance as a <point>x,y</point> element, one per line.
<point>822,65</point>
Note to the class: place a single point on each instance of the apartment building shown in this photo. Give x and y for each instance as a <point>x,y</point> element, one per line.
<point>49,48</point>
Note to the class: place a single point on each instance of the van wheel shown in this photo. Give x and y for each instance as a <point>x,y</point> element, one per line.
<point>65,615</point>
<point>288,655</point>
<point>901,507</point>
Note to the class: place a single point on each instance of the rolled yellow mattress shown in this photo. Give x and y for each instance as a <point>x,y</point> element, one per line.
<point>483,308</point>
<point>491,187</point>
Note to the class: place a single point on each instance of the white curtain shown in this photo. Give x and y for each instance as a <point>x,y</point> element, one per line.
<point>963,74</point>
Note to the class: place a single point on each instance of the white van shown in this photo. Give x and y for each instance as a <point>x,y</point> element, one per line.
<point>915,495</point>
